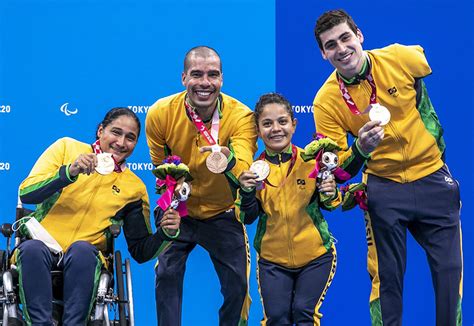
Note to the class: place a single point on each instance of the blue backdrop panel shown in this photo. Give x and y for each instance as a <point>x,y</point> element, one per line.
<point>63,64</point>
<point>441,28</point>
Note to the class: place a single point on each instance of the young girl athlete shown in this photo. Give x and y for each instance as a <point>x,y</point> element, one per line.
<point>296,253</point>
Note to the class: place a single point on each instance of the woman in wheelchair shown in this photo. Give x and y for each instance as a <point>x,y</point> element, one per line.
<point>80,190</point>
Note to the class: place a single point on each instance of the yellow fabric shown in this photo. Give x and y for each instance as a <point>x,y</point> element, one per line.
<point>168,125</point>
<point>399,157</point>
<point>84,215</point>
<point>372,259</point>
<point>317,314</point>
<point>291,238</point>
<point>263,322</point>
<point>244,313</point>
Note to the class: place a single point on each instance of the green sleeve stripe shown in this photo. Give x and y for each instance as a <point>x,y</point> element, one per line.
<point>366,156</point>
<point>261,229</point>
<point>162,248</point>
<point>72,179</point>
<point>167,151</point>
<point>146,207</point>
<point>43,208</point>
<point>231,156</point>
<point>169,235</point>
<point>320,223</point>
<point>229,173</point>
<point>428,115</point>
<point>38,185</point>
<point>232,177</point>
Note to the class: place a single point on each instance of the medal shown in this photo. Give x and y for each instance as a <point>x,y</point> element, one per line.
<point>216,162</point>
<point>105,163</point>
<point>379,113</point>
<point>261,169</point>
<point>294,152</point>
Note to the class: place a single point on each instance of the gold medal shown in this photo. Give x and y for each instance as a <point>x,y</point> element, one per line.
<point>261,169</point>
<point>379,113</point>
<point>216,162</point>
<point>105,163</point>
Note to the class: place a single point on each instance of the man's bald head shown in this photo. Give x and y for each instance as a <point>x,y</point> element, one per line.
<point>200,51</point>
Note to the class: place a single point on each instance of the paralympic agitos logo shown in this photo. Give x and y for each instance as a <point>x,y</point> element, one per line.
<point>66,111</point>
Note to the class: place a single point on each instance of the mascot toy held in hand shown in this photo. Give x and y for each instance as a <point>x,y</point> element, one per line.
<point>329,162</point>
<point>324,151</point>
<point>172,179</point>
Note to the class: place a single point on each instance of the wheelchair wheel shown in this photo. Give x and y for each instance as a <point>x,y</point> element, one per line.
<point>128,272</point>
<point>3,260</point>
<point>120,288</point>
<point>11,315</point>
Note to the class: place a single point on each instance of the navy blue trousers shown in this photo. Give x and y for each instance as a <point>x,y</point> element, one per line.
<point>79,266</point>
<point>294,295</point>
<point>224,238</point>
<point>429,209</point>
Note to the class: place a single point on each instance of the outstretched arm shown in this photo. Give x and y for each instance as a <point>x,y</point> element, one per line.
<point>248,207</point>
<point>142,244</point>
<point>53,171</point>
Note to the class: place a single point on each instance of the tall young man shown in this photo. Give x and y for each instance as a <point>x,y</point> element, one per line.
<point>401,151</point>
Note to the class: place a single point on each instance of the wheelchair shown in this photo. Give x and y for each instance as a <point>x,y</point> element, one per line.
<point>113,304</point>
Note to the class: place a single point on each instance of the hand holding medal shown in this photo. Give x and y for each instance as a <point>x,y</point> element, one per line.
<point>255,176</point>
<point>261,169</point>
<point>84,163</point>
<point>370,136</point>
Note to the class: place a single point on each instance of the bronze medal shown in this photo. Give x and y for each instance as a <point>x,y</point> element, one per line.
<point>216,162</point>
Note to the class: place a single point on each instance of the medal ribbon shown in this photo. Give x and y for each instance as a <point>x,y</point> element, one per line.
<point>317,167</point>
<point>348,98</point>
<point>97,150</point>
<point>211,137</point>
<point>294,152</point>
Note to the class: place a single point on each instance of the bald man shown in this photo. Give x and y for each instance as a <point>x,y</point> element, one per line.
<point>194,124</point>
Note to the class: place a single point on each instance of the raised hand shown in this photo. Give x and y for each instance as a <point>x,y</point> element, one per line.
<point>370,135</point>
<point>327,186</point>
<point>248,180</point>
<point>170,221</point>
<point>84,163</point>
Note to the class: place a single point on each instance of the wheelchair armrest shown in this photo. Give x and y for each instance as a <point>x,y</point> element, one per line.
<point>22,212</point>
<point>7,230</point>
<point>115,230</point>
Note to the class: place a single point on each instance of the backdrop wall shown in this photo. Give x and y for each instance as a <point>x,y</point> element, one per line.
<point>63,64</point>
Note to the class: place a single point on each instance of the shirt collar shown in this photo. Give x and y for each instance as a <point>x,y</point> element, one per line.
<point>361,76</point>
